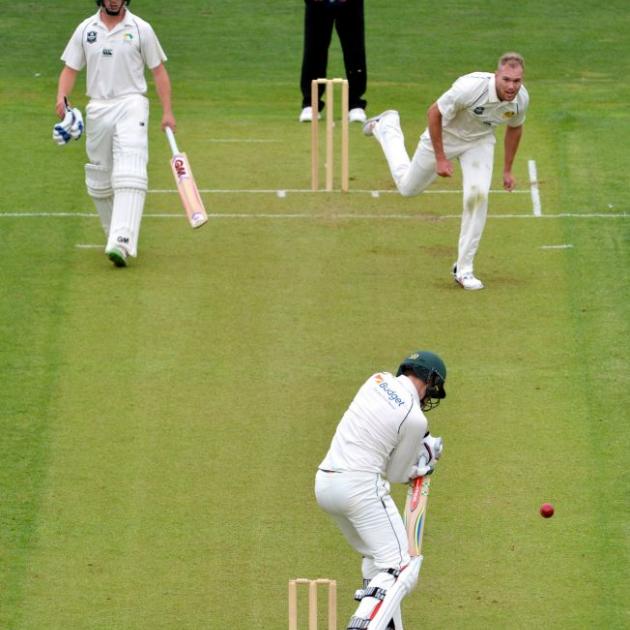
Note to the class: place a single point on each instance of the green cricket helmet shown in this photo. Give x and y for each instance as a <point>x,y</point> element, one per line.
<point>429,368</point>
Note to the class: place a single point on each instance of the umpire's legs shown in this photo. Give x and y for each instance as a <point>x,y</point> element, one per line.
<point>351,30</point>
<point>318,27</point>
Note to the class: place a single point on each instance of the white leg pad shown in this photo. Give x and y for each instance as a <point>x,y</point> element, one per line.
<point>129,181</point>
<point>374,613</point>
<point>98,181</point>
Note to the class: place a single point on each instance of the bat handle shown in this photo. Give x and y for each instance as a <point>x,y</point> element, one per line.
<point>171,140</point>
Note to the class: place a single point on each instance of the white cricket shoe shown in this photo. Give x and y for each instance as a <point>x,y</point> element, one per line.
<point>466,280</point>
<point>370,123</point>
<point>306,115</point>
<point>357,114</point>
<point>469,282</point>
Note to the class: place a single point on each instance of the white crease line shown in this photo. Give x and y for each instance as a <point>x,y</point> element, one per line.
<point>565,246</point>
<point>533,183</point>
<point>275,191</point>
<point>89,246</point>
<point>279,215</point>
<point>242,140</point>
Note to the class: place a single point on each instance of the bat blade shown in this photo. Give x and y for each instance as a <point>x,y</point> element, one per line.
<point>188,191</point>
<point>415,513</point>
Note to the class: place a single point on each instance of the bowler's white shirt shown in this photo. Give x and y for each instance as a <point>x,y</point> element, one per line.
<point>382,430</point>
<point>471,110</point>
<point>115,59</point>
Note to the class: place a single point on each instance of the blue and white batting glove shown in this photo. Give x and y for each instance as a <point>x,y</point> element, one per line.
<point>76,129</point>
<point>61,131</point>
<point>71,127</point>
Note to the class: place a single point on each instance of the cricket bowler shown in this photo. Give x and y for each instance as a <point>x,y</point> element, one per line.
<point>116,46</point>
<point>461,126</point>
<point>382,437</point>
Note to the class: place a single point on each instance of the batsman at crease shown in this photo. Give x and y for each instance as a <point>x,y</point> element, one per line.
<point>383,437</point>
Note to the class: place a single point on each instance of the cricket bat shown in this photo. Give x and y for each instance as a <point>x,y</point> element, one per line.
<point>415,513</point>
<point>186,186</point>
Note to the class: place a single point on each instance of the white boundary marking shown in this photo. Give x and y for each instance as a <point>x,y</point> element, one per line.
<point>533,183</point>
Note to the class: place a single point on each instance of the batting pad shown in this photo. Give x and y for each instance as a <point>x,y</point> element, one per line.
<point>405,583</point>
<point>130,171</point>
<point>98,180</point>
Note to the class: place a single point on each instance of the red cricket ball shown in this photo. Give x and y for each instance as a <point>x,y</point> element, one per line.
<point>546,510</point>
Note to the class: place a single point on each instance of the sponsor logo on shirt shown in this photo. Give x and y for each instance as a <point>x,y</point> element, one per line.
<point>91,37</point>
<point>108,52</point>
<point>127,37</point>
<point>508,114</point>
<point>479,110</point>
<point>391,395</point>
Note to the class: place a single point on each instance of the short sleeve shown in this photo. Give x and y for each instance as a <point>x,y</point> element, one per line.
<point>152,52</point>
<point>462,94</point>
<point>74,55</point>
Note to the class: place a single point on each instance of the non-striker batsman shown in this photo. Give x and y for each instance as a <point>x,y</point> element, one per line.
<point>115,46</point>
<point>382,437</point>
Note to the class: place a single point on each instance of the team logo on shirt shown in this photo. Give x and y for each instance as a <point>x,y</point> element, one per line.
<point>508,114</point>
<point>91,37</point>
<point>479,110</point>
<point>127,37</point>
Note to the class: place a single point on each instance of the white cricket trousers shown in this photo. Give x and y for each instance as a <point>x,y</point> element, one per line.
<point>362,507</point>
<point>414,176</point>
<point>118,152</point>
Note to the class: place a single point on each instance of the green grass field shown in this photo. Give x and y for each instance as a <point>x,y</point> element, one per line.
<point>160,426</point>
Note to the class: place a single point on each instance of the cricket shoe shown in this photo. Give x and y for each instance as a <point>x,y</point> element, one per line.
<point>118,256</point>
<point>357,114</point>
<point>370,123</point>
<point>306,115</point>
<point>467,280</point>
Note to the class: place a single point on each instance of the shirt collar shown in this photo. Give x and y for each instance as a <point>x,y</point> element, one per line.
<point>406,382</point>
<point>492,89</point>
<point>127,21</point>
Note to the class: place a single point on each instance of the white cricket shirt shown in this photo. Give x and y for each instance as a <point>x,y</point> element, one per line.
<point>381,431</point>
<point>115,59</point>
<point>471,109</point>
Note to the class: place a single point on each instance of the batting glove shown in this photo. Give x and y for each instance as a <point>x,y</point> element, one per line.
<point>431,451</point>
<point>61,131</point>
<point>76,128</point>
<point>70,127</point>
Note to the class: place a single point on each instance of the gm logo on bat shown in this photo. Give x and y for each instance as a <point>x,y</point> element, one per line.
<point>180,168</point>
